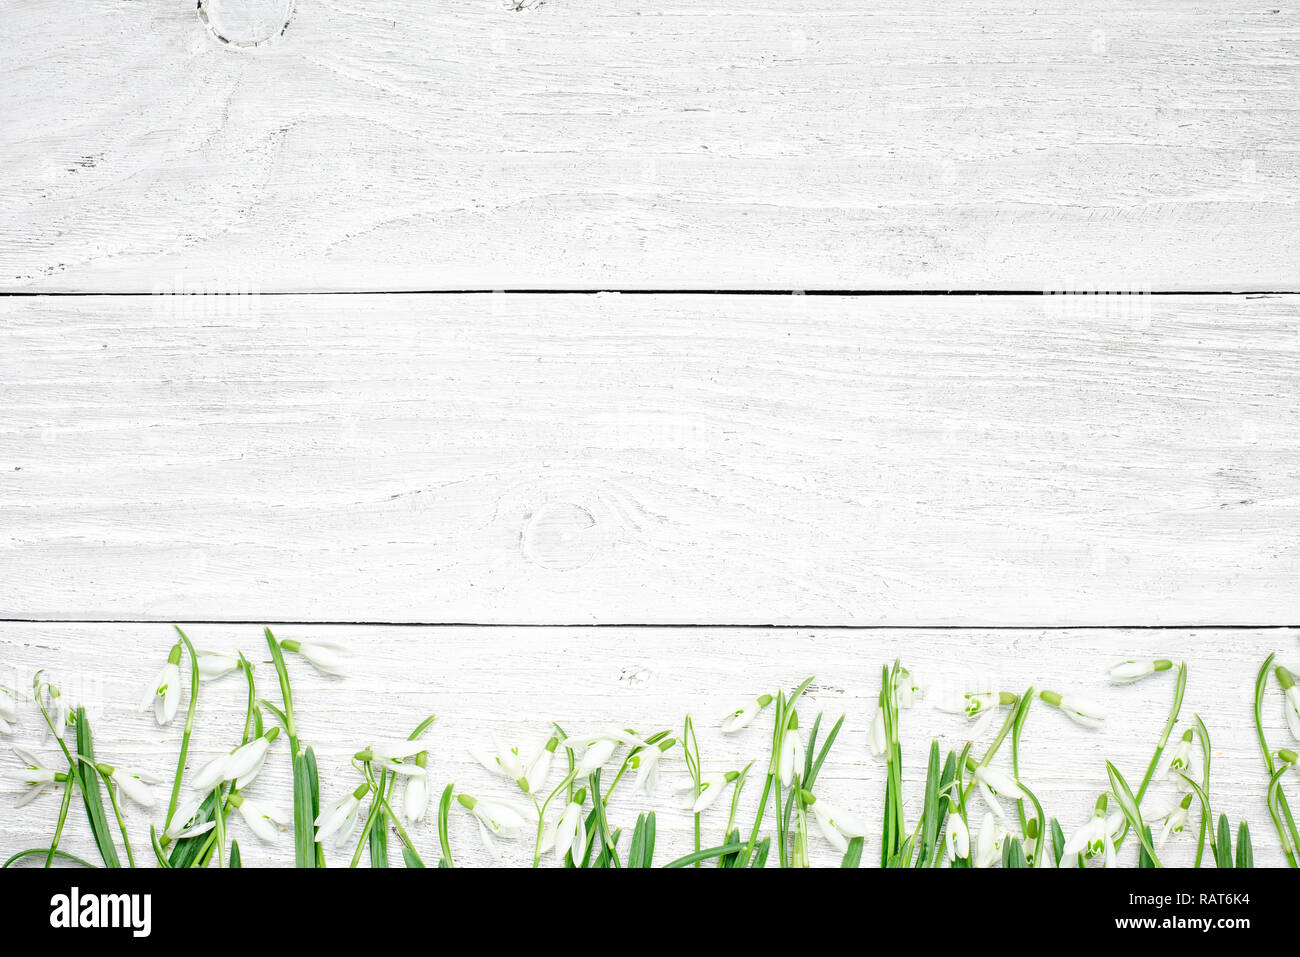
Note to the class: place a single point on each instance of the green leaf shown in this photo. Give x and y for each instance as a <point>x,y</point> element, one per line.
<point>379,839</point>
<point>1129,806</point>
<point>235,859</point>
<point>1058,842</point>
<point>1144,859</point>
<point>304,817</point>
<point>641,852</point>
<point>1013,855</point>
<point>444,834</point>
<point>1223,845</point>
<point>1245,854</point>
<point>853,856</point>
<point>413,860</point>
<point>706,854</point>
<point>87,779</point>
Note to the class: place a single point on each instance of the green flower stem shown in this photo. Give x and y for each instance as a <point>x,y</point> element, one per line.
<point>1278,808</point>
<point>188,730</point>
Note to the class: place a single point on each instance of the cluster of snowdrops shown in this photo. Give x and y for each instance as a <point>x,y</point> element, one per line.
<point>974,813</point>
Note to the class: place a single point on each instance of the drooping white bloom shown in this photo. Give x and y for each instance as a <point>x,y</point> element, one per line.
<point>165,692</point>
<point>214,664</point>
<point>1180,760</point>
<point>994,784</point>
<point>135,785</point>
<point>969,703</point>
<point>836,824</point>
<point>908,690</point>
<point>539,768</point>
<point>60,709</point>
<point>1290,700</point>
<point>1175,820</point>
<point>182,822</point>
<point>500,818</point>
<point>339,820</point>
<point>326,656</point>
<point>8,710</point>
<point>571,833</point>
<point>599,748</point>
<point>1095,837</point>
<point>261,817</point>
<point>876,737</point>
<point>395,755</point>
<point>711,788</point>
<point>1078,709</point>
<point>790,759</point>
<point>742,717</point>
<point>35,776</point>
<point>415,799</point>
<point>958,836</point>
<point>241,765</point>
<point>988,844</point>
<point>527,769</point>
<point>1135,669</point>
<point>646,764</point>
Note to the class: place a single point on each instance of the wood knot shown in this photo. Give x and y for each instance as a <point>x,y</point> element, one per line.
<point>561,536</point>
<point>245,24</point>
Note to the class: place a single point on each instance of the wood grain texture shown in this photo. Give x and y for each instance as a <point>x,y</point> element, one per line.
<point>650,459</point>
<point>512,682</point>
<point>575,143</point>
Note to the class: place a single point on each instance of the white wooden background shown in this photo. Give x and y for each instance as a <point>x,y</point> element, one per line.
<point>323,430</point>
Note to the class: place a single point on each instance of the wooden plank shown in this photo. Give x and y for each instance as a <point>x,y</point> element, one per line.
<point>512,682</point>
<point>637,459</point>
<point>400,144</point>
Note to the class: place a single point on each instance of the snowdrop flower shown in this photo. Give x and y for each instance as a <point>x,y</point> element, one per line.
<point>908,691</point>
<point>600,748</point>
<point>1095,837</point>
<point>836,824</point>
<point>165,692</point>
<point>8,711</point>
<point>498,817</point>
<point>1287,756</point>
<point>571,833</point>
<point>988,845</point>
<point>213,664</point>
<point>182,823</point>
<point>539,769</point>
<point>339,820</point>
<point>1133,670</point>
<point>711,788</point>
<point>1175,820</point>
<point>1290,700</point>
<point>1077,709</point>
<point>134,784</point>
<point>241,765</point>
<point>973,703</point>
<point>1180,760</point>
<point>415,799</point>
<point>876,737</point>
<point>743,717</point>
<point>994,784</point>
<point>35,776</point>
<point>646,764</point>
<point>790,758</point>
<point>58,710</point>
<point>326,656</point>
<point>394,756</point>
<point>528,773</point>
<point>261,817</point>
<point>957,835</point>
